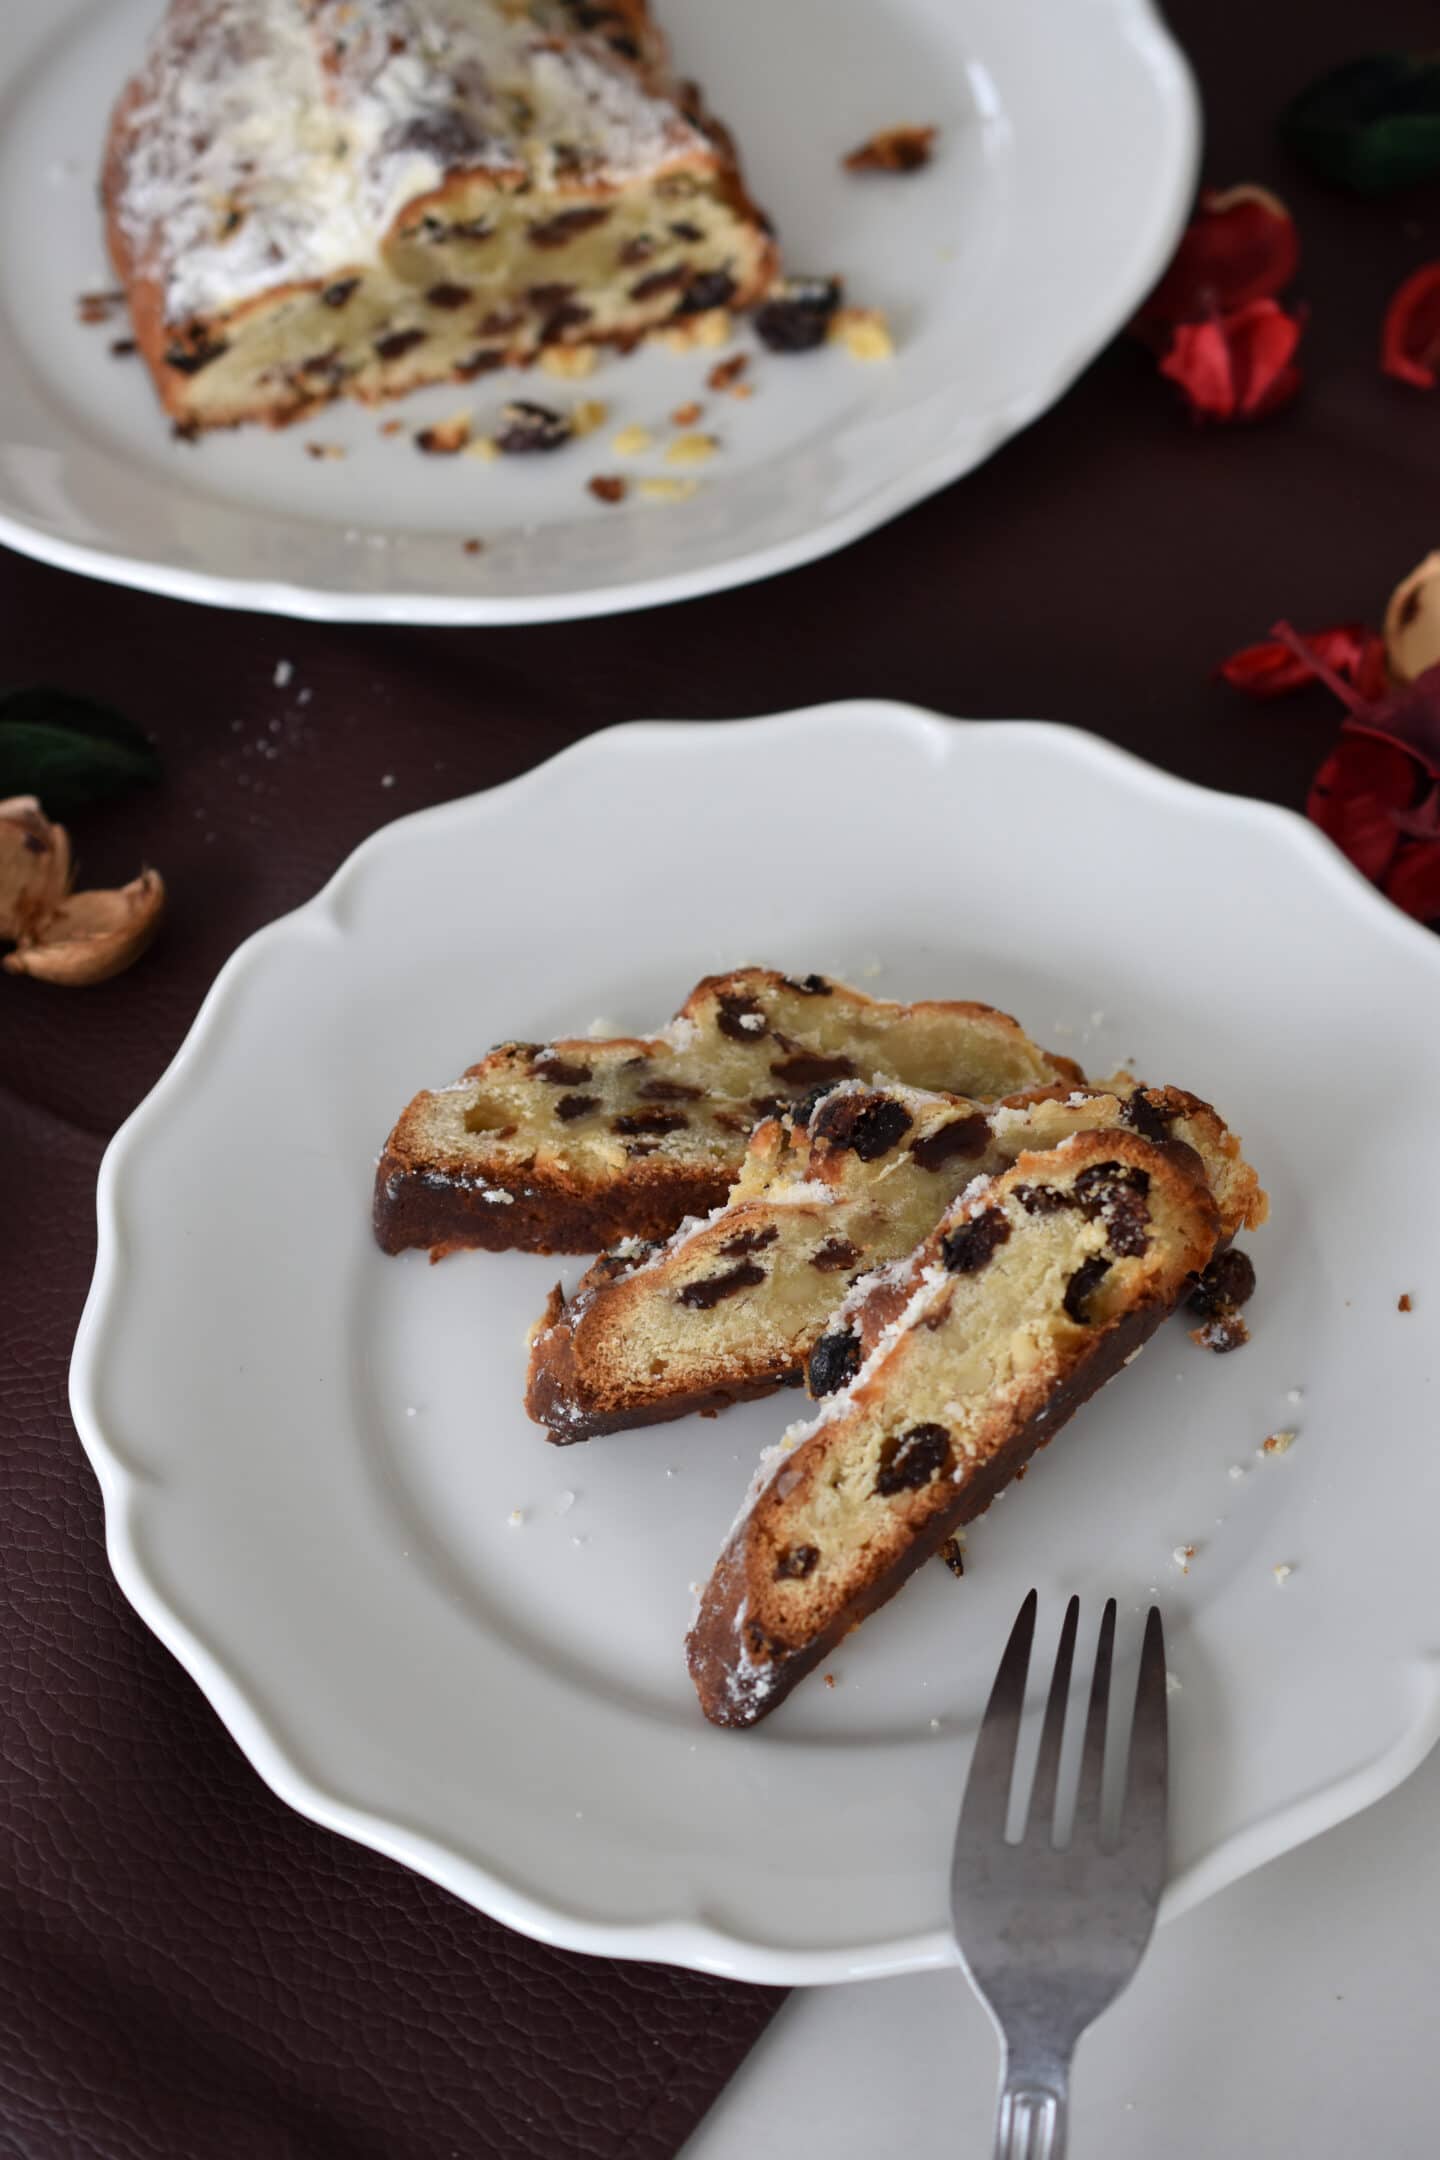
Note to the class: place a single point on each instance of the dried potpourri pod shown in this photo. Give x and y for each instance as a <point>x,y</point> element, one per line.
<point>60,936</point>
<point>1371,125</point>
<point>1236,367</point>
<point>1412,622</point>
<point>1241,245</point>
<point>1410,336</point>
<point>1271,669</point>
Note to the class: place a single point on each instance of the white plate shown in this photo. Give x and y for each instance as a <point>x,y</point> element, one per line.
<point>1069,138</point>
<point>310,1454</point>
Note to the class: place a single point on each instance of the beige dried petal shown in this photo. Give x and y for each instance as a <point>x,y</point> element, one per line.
<point>1412,622</point>
<point>93,935</point>
<point>34,866</point>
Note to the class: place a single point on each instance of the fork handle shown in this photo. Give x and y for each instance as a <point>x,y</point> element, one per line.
<point>1032,2116</point>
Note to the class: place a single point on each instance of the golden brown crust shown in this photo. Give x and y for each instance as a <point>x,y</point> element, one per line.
<point>1070,1258</point>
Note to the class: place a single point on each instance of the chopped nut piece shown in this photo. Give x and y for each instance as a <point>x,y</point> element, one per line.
<point>98,307</point>
<point>1278,1443</point>
<point>588,415</point>
<point>1405,1303</point>
<point>670,491</point>
<point>474,547</point>
<point>829,1679</point>
<point>686,415</point>
<point>447,438</point>
<point>691,450</point>
<point>725,375</point>
<point>608,488</point>
<point>484,448</point>
<point>863,332</point>
<point>893,150</point>
<point>569,362</point>
<point>392,427</point>
<point>325,451</point>
<point>631,441</point>
<point>709,328</point>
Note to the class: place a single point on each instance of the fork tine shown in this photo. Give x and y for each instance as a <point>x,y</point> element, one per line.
<point>1090,1798</point>
<point>1143,1811</point>
<point>1047,1763</point>
<point>986,1804</point>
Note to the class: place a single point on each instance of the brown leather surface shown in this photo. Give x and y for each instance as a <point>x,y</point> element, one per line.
<point>185,1968</point>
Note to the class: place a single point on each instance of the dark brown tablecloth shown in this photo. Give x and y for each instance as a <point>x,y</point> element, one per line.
<point>186,1969</point>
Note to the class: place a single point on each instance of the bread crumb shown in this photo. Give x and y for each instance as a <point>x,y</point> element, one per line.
<point>325,451</point>
<point>564,1503</point>
<point>569,362</point>
<point>1182,1556</point>
<point>1282,1573</point>
<point>482,448</point>
<point>474,547</point>
<point>515,1518</point>
<point>284,673</point>
<point>710,328</point>
<point>1238,1471</point>
<point>1278,1443</point>
<point>686,415</point>
<point>608,487</point>
<point>392,427</point>
<point>670,491</point>
<point>892,150</point>
<point>1295,1395</point>
<point>387,779</point>
<point>1405,1302</point>
<point>830,1679</point>
<point>725,376</point>
<point>447,438</point>
<point>631,441</point>
<point>934,1724</point>
<point>691,450</point>
<point>863,332</point>
<point>588,415</point>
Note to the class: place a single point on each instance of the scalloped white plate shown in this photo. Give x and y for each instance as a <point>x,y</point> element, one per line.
<point>310,1454</point>
<point>1069,137</point>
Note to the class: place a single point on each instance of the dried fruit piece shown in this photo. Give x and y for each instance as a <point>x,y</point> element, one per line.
<point>893,150</point>
<point>1240,246</point>
<point>1410,336</point>
<point>797,316</point>
<point>526,426</point>
<point>1236,367</point>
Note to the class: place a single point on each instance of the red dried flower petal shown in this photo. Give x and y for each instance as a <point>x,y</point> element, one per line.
<point>1273,668</point>
<point>1410,338</point>
<point>1240,246</point>
<point>1236,366</point>
<point>1354,798</point>
<point>1414,881</point>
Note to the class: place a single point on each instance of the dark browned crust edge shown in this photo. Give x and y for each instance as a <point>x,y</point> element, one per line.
<point>711,1641</point>
<point>425,1208</point>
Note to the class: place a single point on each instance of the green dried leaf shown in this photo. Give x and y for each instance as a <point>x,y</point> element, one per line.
<point>1372,125</point>
<point>70,751</point>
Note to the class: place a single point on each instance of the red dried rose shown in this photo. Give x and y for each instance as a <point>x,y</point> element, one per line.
<point>1237,366</point>
<point>1354,798</point>
<point>1414,881</point>
<point>1273,668</point>
<point>1410,339</point>
<point>1240,246</point>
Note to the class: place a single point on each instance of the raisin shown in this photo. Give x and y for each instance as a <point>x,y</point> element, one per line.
<point>968,1248</point>
<point>573,1106</point>
<point>712,1288</point>
<point>834,1362</point>
<point>659,281</point>
<point>568,316</point>
<point>684,230</point>
<point>768,1105</point>
<point>532,427</point>
<point>966,1137</point>
<point>478,228</point>
<point>712,289</point>
<point>1140,1112</point>
<point>803,1111</point>
<point>806,1067</point>
<point>735,1121</point>
<point>734,1014</point>
<point>912,1459</point>
<point>566,225</point>
<point>1229,1280</point>
<point>1226,1331</point>
<point>808,985</point>
<point>747,1241</point>
<point>122,347</point>
<point>337,294</point>
<point>797,1563</point>
<point>798,318</point>
<point>499,321</point>
<point>448,296</point>
<point>868,1125</point>
<point>479,363</point>
<point>553,295</point>
<point>397,343</point>
<point>670,1091</point>
<point>447,136</point>
<point>952,1552</point>
<point>637,251</point>
<point>189,359</point>
<point>649,1121</point>
<point>1043,1199</point>
<point>1086,1278</point>
<point>836,1253</point>
<point>1115,1192</point>
<point>557,1073</point>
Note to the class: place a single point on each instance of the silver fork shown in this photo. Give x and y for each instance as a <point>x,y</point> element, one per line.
<point>1050,1934</point>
